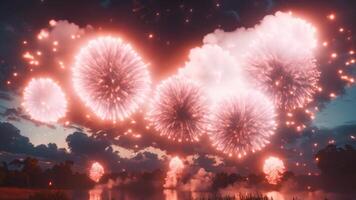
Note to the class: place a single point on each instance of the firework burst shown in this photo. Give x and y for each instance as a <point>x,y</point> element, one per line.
<point>44,100</point>
<point>96,171</point>
<point>281,60</point>
<point>273,168</point>
<point>291,85</point>
<point>179,110</point>
<point>242,124</point>
<point>110,78</point>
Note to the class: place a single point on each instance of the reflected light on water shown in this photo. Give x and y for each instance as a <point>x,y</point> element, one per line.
<point>95,194</point>
<point>102,193</point>
<point>275,195</point>
<point>170,194</point>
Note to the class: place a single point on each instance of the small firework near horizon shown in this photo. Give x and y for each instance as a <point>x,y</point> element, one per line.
<point>110,78</point>
<point>242,124</point>
<point>179,109</point>
<point>174,173</point>
<point>96,171</point>
<point>273,168</point>
<point>44,100</point>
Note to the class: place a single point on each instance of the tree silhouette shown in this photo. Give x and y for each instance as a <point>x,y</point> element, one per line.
<point>28,174</point>
<point>337,166</point>
<point>335,161</point>
<point>30,169</point>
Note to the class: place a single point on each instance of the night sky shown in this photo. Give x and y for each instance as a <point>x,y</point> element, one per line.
<point>163,32</point>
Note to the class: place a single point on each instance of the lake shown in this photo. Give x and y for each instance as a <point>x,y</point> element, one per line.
<point>103,193</point>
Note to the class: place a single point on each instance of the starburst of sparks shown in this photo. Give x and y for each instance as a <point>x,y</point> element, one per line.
<point>110,78</point>
<point>44,100</point>
<point>179,110</point>
<point>242,124</point>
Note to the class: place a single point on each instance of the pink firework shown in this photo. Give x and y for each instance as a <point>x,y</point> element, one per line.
<point>179,110</point>
<point>273,168</point>
<point>110,78</point>
<point>281,62</point>
<point>44,100</point>
<point>174,174</point>
<point>242,124</point>
<point>96,171</point>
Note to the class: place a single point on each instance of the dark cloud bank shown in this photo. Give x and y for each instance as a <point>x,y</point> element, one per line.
<point>84,149</point>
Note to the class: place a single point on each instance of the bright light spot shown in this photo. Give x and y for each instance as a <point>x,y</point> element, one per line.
<point>96,171</point>
<point>273,168</point>
<point>44,100</point>
<point>52,22</point>
<point>331,16</point>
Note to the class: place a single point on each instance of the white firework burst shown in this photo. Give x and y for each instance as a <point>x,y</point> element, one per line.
<point>110,78</point>
<point>242,123</point>
<point>44,100</point>
<point>179,110</point>
<point>281,61</point>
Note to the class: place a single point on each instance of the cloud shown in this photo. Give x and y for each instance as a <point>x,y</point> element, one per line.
<point>83,150</point>
<point>12,141</point>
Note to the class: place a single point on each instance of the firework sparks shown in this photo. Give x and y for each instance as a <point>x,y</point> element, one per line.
<point>110,78</point>
<point>176,167</point>
<point>284,67</point>
<point>96,171</point>
<point>179,110</point>
<point>44,100</point>
<point>273,168</point>
<point>243,123</point>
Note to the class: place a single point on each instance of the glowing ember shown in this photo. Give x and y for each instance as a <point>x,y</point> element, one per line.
<point>110,78</point>
<point>331,16</point>
<point>176,167</point>
<point>274,169</point>
<point>43,34</point>
<point>96,171</point>
<point>44,100</point>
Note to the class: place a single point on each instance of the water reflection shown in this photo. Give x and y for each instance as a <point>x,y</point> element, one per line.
<point>275,195</point>
<point>170,194</point>
<point>95,194</point>
<point>103,193</point>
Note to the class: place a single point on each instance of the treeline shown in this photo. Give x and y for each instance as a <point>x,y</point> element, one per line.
<point>337,166</point>
<point>27,173</point>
